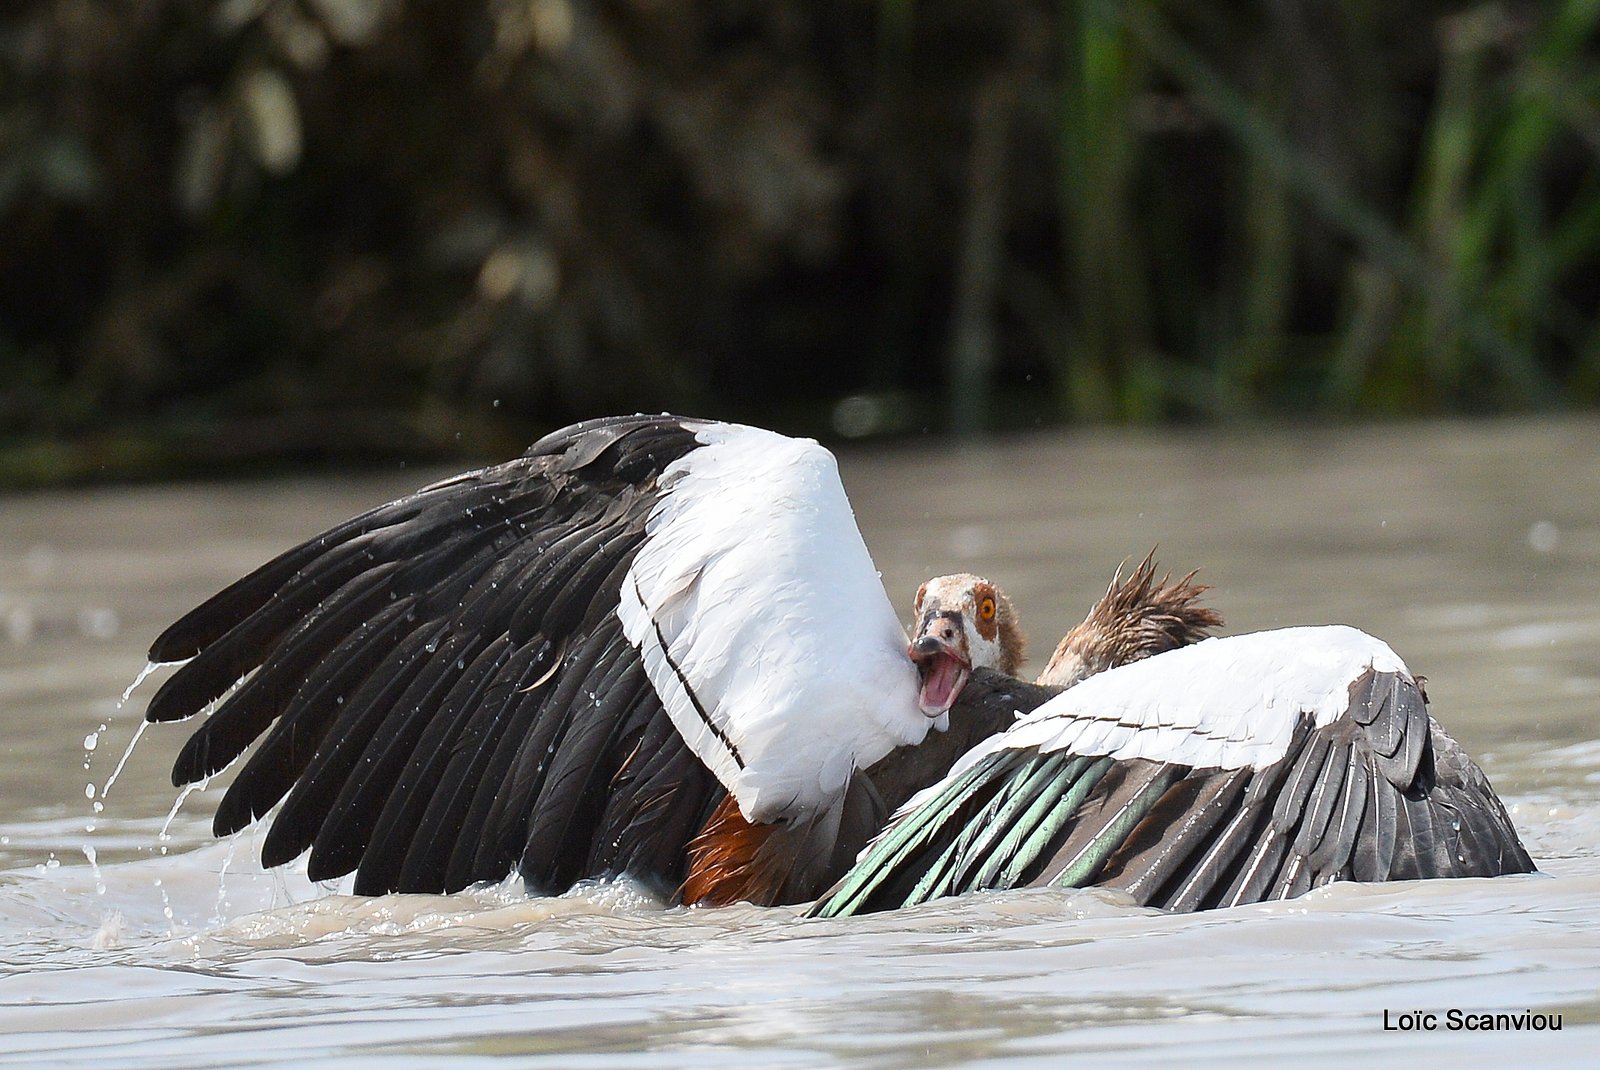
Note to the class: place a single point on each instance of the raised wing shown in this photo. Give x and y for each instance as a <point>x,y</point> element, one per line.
<point>452,685</point>
<point>1234,771</point>
<point>764,625</point>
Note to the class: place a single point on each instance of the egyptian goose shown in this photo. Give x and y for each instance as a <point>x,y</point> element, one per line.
<point>651,645</point>
<point>965,625</point>
<point>646,631</point>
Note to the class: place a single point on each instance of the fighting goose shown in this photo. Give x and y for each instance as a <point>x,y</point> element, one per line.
<point>968,646</point>
<point>646,632</point>
<point>1235,770</point>
<point>964,621</point>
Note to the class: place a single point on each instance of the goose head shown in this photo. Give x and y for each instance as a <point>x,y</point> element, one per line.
<point>961,623</point>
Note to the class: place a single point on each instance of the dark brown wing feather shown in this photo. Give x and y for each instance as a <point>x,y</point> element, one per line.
<point>1381,793</point>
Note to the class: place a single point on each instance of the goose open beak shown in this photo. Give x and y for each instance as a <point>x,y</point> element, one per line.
<point>944,669</point>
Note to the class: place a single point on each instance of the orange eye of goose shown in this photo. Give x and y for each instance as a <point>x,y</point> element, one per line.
<point>986,609</point>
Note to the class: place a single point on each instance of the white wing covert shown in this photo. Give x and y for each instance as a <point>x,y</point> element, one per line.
<point>764,625</point>
<point>1223,703</point>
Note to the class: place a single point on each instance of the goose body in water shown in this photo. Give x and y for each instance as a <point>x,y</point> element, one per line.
<point>655,646</point>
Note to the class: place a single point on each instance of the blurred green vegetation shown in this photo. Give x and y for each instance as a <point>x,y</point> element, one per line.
<point>240,232</point>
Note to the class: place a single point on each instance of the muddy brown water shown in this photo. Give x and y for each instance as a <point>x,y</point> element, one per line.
<point>131,938</point>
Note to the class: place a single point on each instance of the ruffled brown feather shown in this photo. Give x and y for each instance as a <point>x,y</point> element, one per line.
<point>1136,618</point>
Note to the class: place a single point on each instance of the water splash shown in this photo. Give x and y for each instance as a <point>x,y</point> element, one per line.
<point>105,789</point>
<point>94,868</point>
<point>220,915</point>
<point>144,674</point>
<point>109,936</point>
<point>188,789</point>
<point>91,742</point>
<point>166,908</point>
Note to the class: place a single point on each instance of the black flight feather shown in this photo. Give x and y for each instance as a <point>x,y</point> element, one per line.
<point>445,820</point>
<point>307,804</point>
<point>415,672</point>
<point>394,837</point>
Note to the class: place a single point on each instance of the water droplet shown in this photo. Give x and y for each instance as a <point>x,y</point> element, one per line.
<point>88,791</point>
<point>219,915</point>
<point>91,741</point>
<point>149,667</point>
<point>188,790</point>
<point>94,867</point>
<point>105,789</point>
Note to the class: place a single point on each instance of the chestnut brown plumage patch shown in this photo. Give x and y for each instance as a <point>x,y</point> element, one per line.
<point>725,862</point>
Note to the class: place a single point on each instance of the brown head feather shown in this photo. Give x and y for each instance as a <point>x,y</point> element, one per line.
<point>1135,619</point>
<point>1013,644</point>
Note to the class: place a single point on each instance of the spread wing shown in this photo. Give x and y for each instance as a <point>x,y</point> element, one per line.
<point>562,663</point>
<point>1234,771</point>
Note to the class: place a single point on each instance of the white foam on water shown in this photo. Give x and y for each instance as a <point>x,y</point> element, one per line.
<point>109,936</point>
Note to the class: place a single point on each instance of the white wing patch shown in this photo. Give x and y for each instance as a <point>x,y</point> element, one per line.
<point>764,626</point>
<point>1222,703</point>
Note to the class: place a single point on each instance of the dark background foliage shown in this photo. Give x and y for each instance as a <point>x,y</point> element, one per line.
<point>238,232</point>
